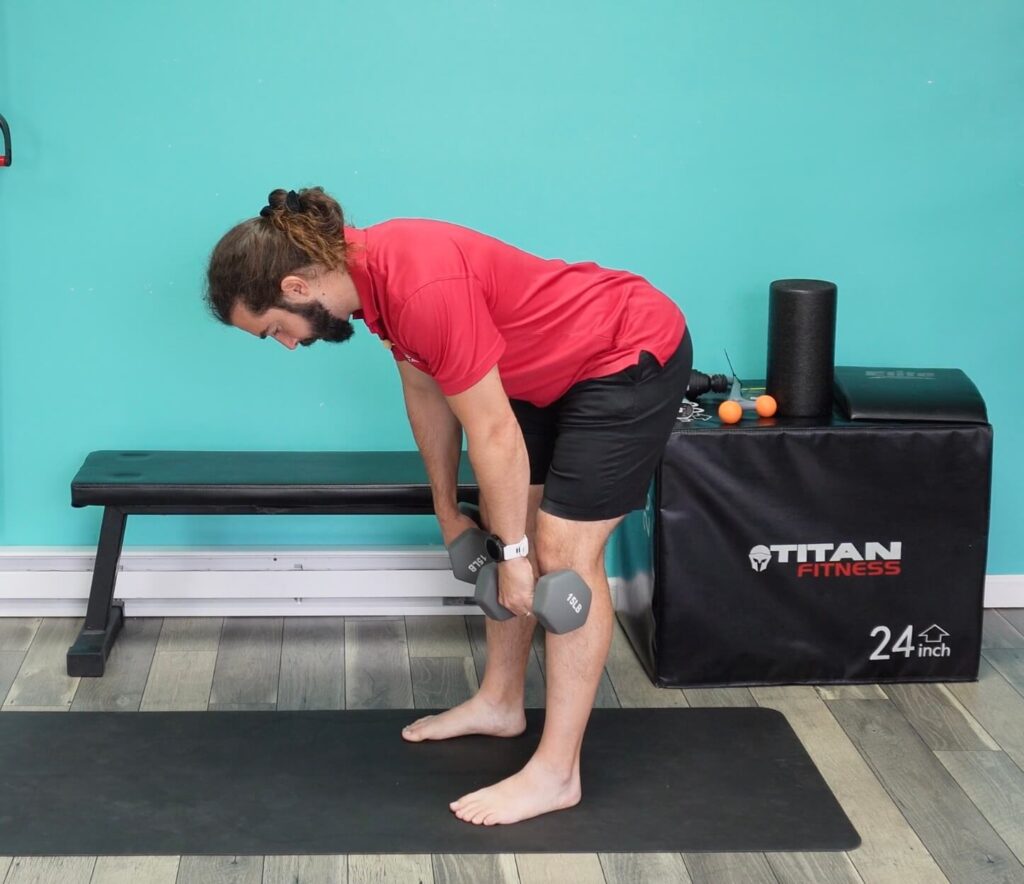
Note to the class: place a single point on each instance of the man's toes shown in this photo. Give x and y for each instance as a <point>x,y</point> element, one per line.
<point>470,810</point>
<point>412,731</point>
<point>465,800</point>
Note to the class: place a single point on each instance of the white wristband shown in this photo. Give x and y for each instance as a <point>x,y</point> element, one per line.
<point>501,553</point>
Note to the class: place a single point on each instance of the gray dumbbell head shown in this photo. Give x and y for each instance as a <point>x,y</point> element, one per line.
<point>468,551</point>
<point>561,602</point>
<point>486,595</point>
<point>468,554</point>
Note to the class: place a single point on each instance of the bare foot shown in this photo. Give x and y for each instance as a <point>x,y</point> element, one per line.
<point>531,792</point>
<point>475,716</point>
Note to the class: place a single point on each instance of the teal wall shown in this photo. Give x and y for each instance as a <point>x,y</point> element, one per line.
<point>710,146</point>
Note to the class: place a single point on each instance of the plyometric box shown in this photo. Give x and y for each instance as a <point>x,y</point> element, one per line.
<point>800,551</point>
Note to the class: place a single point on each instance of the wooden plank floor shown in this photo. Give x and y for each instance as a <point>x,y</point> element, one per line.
<point>932,776</point>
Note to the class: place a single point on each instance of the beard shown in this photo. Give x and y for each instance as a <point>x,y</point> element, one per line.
<point>325,326</point>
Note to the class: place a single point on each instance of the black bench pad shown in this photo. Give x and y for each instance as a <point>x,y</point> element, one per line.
<point>341,481</point>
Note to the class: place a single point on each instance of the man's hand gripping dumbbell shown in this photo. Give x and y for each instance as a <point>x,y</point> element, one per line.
<point>561,600</point>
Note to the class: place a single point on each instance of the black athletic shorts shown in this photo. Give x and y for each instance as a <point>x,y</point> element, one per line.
<point>596,448</point>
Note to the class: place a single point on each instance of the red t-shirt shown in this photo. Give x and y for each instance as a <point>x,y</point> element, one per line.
<point>455,302</point>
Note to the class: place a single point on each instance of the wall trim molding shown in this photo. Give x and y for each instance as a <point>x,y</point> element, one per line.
<point>256,581</point>
<point>237,581</point>
<point>1004,591</point>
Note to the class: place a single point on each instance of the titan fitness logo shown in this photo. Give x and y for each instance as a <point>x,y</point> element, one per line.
<point>831,559</point>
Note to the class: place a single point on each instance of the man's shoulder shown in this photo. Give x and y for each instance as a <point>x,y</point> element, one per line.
<point>416,234</point>
<point>393,228</point>
<point>414,253</point>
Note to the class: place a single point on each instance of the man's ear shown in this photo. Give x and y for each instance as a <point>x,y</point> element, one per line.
<point>296,290</point>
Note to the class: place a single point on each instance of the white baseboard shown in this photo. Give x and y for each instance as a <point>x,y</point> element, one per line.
<point>52,582</point>
<point>248,582</point>
<point>1004,591</point>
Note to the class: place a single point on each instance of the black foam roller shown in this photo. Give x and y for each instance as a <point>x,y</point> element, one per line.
<point>801,346</point>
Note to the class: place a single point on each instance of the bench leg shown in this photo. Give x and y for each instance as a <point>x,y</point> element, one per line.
<point>103,619</point>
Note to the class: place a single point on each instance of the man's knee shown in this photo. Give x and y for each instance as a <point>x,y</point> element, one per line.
<point>565,544</point>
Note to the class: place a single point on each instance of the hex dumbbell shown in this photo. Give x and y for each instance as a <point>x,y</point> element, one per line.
<point>468,551</point>
<point>561,599</point>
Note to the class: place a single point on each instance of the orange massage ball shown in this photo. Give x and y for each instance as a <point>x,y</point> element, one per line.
<point>766,406</point>
<point>730,412</point>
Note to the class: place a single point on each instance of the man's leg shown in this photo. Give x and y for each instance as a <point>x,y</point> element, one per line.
<point>497,708</point>
<point>551,778</point>
<point>609,434</point>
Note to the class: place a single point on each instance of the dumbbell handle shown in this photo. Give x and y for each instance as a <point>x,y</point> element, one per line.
<point>561,600</point>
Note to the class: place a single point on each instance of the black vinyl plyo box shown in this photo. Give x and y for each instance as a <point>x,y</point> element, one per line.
<point>802,551</point>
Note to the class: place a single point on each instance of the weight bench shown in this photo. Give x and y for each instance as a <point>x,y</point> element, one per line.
<point>232,483</point>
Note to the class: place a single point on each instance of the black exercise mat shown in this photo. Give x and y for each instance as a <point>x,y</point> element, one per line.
<point>255,783</point>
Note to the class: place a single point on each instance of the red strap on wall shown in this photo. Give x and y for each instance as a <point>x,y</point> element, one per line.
<point>5,160</point>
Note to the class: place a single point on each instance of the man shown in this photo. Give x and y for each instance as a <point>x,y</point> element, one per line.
<point>566,379</point>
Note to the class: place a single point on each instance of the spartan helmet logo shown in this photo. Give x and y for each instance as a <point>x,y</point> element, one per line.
<point>760,556</point>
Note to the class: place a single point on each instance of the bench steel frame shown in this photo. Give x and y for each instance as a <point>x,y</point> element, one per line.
<point>104,617</point>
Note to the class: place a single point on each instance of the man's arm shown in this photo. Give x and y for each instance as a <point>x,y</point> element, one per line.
<point>497,452</point>
<point>438,435</point>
